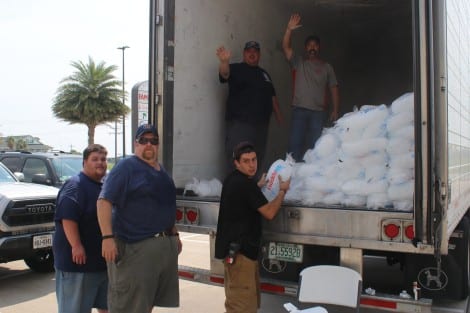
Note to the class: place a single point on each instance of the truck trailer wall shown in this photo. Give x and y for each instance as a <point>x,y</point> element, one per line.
<point>199,101</point>
<point>369,44</point>
<point>458,100</point>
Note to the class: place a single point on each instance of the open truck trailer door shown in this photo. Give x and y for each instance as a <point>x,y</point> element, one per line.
<point>379,50</point>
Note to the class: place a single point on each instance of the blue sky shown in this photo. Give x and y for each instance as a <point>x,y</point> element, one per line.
<point>39,40</point>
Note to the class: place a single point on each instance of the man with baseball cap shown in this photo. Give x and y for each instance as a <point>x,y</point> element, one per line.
<point>136,213</point>
<point>251,100</point>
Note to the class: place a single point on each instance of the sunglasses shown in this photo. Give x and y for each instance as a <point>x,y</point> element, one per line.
<point>143,141</point>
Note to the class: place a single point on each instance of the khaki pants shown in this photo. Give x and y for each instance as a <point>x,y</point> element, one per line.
<point>242,286</point>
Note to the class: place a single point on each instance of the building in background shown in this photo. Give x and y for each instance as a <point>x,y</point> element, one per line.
<point>25,142</point>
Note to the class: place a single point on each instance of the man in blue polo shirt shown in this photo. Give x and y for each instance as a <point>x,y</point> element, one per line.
<point>81,279</point>
<point>136,213</point>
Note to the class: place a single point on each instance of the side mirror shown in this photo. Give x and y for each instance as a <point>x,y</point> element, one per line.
<point>40,179</point>
<point>19,175</point>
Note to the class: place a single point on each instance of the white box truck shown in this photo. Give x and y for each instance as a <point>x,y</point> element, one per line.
<point>379,49</point>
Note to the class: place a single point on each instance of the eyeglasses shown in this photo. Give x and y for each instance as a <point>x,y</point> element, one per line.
<point>143,141</point>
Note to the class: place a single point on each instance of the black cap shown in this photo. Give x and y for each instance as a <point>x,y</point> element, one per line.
<point>146,128</point>
<point>252,44</point>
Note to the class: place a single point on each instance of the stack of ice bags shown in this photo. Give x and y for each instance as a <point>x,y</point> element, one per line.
<point>365,160</point>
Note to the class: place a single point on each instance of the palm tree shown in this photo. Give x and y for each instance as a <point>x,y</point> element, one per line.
<point>21,145</point>
<point>90,96</point>
<point>11,143</point>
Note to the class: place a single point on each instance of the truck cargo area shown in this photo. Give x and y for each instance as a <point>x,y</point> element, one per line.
<point>369,44</point>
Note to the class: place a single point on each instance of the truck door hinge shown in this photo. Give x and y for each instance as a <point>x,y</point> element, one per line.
<point>158,20</point>
<point>444,190</point>
<point>443,83</point>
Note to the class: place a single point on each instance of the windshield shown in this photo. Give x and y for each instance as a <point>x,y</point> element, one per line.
<point>67,167</point>
<point>5,175</point>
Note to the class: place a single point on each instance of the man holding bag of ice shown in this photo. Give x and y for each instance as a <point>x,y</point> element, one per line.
<point>242,205</point>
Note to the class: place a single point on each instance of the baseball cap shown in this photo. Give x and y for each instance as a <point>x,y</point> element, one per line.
<point>252,44</point>
<point>146,128</point>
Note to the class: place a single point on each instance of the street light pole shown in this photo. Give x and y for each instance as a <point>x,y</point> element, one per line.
<point>123,48</point>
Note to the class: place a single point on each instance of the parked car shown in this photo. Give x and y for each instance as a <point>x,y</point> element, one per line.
<point>51,168</point>
<point>26,222</point>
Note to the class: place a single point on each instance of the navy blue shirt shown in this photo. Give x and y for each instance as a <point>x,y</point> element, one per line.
<point>76,201</point>
<point>239,219</point>
<point>143,198</point>
<point>250,97</point>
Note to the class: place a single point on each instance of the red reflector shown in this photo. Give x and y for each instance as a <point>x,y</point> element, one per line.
<point>179,214</point>
<point>217,280</point>
<point>391,230</point>
<point>186,274</point>
<point>272,288</point>
<point>379,303</point>
<point>409,232</point>
<point>191,216</point>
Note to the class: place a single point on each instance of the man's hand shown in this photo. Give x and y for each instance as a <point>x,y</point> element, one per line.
<point>284,185</point>
<point>294,22</point>
<point>223,54</point>
<point>78,254</point>
<point>109,249</point>
<point>334,116</point>
<point>180,244</point>
<point>262,181</point>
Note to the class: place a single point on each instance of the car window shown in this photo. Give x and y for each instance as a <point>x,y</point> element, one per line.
<point>33,166</point>
<point>13,163</point>
<point>67,167</point>
<point>5,176</point>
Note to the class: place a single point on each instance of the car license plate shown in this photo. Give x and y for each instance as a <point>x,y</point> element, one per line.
<point>42,241</point>
<point>288,252</point>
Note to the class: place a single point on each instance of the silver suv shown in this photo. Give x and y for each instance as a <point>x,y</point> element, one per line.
<point>26,222</point>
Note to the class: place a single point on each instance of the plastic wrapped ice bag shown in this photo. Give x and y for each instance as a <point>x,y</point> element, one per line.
<point>282,168</point>
<point>204,188</point>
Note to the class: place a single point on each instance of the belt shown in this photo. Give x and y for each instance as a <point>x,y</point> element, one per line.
<point>164,234</point>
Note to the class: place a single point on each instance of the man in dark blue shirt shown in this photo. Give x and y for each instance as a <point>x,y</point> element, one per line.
<point>136,213</point>
<point>81,278</point>
<point>251,100</point>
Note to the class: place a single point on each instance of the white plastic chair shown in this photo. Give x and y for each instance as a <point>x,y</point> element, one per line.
<point>328,284</point>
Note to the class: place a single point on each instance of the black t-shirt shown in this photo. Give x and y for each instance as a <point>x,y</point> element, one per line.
<point>250,94</point>
<point>239,220</point>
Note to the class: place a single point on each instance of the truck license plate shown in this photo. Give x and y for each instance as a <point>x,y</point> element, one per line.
<point>288,252</point>
<point>42,241</point>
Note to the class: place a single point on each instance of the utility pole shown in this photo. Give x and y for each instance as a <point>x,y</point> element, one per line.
<point>123,48</point>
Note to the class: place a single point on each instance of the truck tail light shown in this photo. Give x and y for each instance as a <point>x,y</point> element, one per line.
<point>410,232</point>
<point>391,230</point>
<point>192,216</point>
<point>179,215</point>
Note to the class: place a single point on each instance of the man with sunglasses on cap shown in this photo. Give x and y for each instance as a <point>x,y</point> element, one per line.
<point>251,100</point>
<point>314,80</point>
<point>136,213</point>
<point>242,206</point>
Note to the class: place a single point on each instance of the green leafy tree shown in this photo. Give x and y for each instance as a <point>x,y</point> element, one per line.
<point>21,145</point>
<point>11,143</point>
<point>90,96</point>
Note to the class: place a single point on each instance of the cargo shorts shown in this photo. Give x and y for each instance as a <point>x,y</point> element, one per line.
<point>144,275</point>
